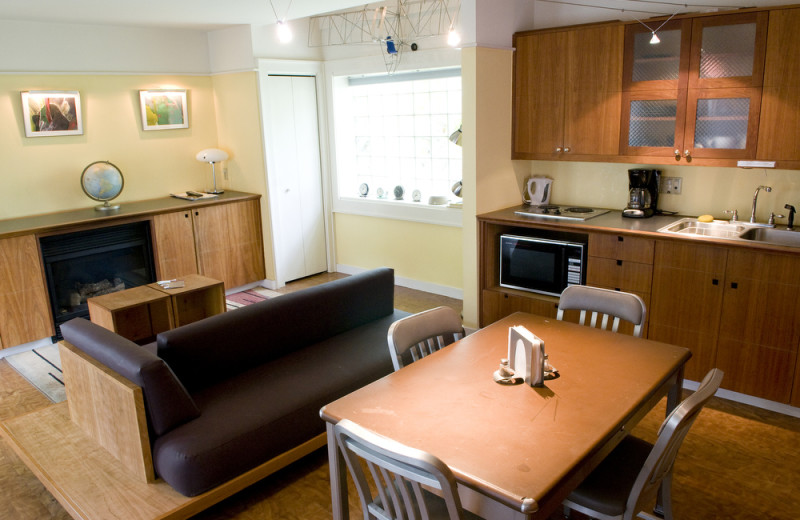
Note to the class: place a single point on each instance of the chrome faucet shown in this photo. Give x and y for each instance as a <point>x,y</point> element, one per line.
<point>755,198</point>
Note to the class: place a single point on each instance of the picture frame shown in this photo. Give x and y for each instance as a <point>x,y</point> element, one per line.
<point>164,109</point>
<point>50,113</point>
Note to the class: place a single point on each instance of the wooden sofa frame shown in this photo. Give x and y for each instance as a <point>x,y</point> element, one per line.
<point>93,452</point>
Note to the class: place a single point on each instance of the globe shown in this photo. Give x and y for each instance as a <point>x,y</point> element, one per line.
<point>102,181</point>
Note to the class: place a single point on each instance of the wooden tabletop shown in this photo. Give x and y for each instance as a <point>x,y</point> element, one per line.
<point>524,447</point>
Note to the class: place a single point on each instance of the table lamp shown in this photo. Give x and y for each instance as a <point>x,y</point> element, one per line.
<point>213,155</point>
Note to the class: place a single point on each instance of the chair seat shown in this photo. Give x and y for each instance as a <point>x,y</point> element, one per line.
<point>607,488</point>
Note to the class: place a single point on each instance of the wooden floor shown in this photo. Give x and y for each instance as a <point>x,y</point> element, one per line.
<point>738,462</point>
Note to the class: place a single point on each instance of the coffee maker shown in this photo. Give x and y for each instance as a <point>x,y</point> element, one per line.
<point>642,193</point>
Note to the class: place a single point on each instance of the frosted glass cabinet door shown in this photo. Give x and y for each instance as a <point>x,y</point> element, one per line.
<point>722,123</point>
<point>653,122</point>
<point>728,51</point>
<point>656,66</point>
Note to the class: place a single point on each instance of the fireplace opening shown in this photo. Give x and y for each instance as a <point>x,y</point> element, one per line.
<point>84,264</point>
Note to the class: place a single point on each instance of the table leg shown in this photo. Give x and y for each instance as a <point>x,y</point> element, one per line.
<point>338,474</point>
<point>674,395</point>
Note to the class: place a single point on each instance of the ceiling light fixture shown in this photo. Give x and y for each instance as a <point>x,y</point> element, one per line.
<point>453,38</point>
<point>283,30</point>
<point>655,39</point>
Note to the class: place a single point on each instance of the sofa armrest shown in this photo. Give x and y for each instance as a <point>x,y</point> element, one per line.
<point>109,409</point>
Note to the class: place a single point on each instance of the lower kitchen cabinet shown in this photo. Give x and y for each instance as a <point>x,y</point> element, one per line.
<point>735,309</point>
<point>759,330</point>
<point>221,241</point>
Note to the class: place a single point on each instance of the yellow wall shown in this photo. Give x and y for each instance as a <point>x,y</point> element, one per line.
<point>239,128</point>
<point>42,174</point>
<point>705,190</point>
<point>421,252</point>
<point>489,171</point>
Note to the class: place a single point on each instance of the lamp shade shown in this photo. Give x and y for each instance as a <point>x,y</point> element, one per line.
<point>212,155</point>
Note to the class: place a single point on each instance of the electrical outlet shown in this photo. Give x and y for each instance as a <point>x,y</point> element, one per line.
<point>671,185</point>
<point>225,173</point>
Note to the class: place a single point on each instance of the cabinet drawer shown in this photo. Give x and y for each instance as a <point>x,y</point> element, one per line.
<point>619,274</point>
<point>621,247</point>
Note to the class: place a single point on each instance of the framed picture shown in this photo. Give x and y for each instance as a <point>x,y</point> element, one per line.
<point>48,113</point>
<point>164,109</point>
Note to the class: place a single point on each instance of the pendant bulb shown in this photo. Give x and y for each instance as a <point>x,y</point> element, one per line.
<point>655,39</point>
<point>284,32</point>
<point>453,38</point>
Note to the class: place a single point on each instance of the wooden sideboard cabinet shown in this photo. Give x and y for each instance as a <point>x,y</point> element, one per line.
<point>24,305</point>
<point>222,241</point>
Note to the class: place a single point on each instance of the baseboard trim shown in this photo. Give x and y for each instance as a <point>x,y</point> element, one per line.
<point>441,290</point>
<point>758,402</point>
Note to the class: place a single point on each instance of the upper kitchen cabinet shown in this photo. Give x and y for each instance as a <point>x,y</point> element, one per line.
<point>697,93</point>
<point>567,92</point>
<point>780,104</point>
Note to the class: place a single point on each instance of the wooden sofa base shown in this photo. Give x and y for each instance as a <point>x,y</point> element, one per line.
<point>91,484</point>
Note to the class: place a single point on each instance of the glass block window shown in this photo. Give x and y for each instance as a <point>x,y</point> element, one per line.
<point>660,61</point>
<point>395,131</point>
<point>652,123</point>
<point>728,51</point>
<point>722,123</point>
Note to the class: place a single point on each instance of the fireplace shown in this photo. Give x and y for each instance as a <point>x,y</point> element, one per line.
<point>90,263</point>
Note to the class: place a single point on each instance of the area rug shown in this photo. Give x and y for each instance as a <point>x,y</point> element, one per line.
<point>42,368</point>
<point>244,298</point>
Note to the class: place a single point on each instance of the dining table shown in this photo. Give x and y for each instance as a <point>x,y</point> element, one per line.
<point>516,450</point>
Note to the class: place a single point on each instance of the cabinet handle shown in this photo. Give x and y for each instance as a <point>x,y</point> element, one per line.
<point>185,215</point>
<point>566,149</point>
<point>714,281</point>
<point>677,155</point>
<point>620,238</point>
<point>734,285</point>
<point>619,262</point>
<point>558,149</point>
<point>687,154</point>
<point>196,213</point>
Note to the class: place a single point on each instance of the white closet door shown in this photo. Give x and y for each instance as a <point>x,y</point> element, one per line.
<point>296,173</point>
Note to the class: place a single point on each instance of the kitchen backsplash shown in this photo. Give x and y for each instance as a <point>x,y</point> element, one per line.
<point>704,190</point>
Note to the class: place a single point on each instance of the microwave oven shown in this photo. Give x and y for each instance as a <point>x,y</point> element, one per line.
<point>541,265</point>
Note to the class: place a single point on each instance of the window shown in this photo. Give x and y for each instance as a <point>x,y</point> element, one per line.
<point>394,131</point>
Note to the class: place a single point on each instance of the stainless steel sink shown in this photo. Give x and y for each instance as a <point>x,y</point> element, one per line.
<point>738,231</point>
<point>780,237</point>
<point>716,229</point>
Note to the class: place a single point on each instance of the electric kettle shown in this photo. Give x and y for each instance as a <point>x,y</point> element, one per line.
<point>538,191</point>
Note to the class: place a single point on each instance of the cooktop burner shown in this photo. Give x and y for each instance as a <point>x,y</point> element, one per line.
<point>562,212</point>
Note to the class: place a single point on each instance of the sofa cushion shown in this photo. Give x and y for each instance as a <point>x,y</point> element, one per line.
<point>272,408</point>
<point>212,350</point>
<point>167,402</point>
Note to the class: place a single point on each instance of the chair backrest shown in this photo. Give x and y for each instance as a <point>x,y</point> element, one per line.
<point>423,333</point>
<point>604,304</point>
<point>670,437</point>
<point>399,472</point>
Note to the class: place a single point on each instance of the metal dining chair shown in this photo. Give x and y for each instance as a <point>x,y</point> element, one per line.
<point>402,477</point>
<point>604,304</point>
<point>628,480</point>
<point>424,333</point>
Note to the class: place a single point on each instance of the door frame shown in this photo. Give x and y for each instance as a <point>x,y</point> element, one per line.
<point>270,67</point>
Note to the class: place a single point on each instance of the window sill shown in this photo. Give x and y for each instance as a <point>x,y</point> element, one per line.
<point>445,215</point>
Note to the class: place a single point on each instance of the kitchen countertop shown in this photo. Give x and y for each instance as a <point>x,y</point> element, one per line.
<point>614,222</point>
<point>49,222</point>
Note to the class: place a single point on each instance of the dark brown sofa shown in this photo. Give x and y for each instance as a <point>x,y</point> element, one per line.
<point>228,393</point>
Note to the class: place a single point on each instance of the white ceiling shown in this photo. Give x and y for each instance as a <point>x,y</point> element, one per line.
<point>214,14</point>
<point>186,14</point>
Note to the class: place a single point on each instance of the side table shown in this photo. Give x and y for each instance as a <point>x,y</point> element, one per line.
<point>199,298</point>
<point>138,313</point>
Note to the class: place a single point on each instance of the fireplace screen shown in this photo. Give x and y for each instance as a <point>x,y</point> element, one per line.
<point>90,263</point>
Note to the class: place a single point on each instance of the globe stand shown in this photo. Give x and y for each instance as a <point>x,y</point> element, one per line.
<point>107,207</point>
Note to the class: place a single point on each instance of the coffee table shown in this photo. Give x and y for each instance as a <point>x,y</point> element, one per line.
<point>516,451</point>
